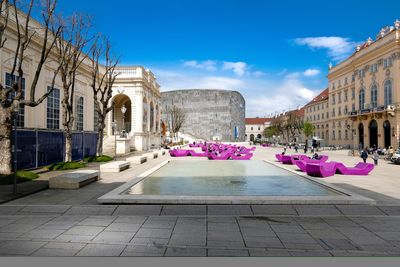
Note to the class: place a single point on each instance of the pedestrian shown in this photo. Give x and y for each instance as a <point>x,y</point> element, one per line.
<point>364,155</point>
<point>375,157</point>
<point>296,148</point>
<point>284,149</point>
<point>305,149</point>
<point>391,152</point>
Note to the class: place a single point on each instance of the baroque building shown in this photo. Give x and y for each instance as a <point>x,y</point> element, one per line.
<point>317,113</point>
<point>255,128</point>
<point>364,94</point>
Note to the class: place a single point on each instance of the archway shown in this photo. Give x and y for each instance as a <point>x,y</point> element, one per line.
<point>373,134</point>
<point>387,133</point>
<point>145,115</point>
<point>152,117</point>
<point>123,120</point>
<point>259,136</point>
<point>361,135</point>
<point>252,137</point>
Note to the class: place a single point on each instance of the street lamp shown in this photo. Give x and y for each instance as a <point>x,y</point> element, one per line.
<point>15,117</point>
<point>114,128</point>
<point>123,110</point>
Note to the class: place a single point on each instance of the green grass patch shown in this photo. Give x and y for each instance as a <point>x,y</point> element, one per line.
<point>103,158</point>
<point>63,166</point>
<point>22,177</point>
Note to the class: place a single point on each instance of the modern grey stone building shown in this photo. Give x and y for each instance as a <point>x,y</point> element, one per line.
<point>210,114</point>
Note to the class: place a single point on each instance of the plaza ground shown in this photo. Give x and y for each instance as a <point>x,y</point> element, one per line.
<point>71,223</point>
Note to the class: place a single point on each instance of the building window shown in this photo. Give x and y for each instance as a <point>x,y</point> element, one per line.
<point>374,68</point>
<point>345,110</point>
<point>374,96</point>
<point>340,111</point>
<point>353,93</point>
<point>345,81</point>
<point>340,135</point>
<point>346,97</point>
<point>333,112</point>
<point>323,115</point>
<point>10,80</point>
<point>339,97</point>
<point>259,128</point>
<point>53,109</point>
<point>79,113</point>
<point>361,98</point>
<point>251,128</point>
<point>333,99</point>
<point>387,62</point>
<point>388,93</point>
<point>353,107</point>
<point>333,135</point>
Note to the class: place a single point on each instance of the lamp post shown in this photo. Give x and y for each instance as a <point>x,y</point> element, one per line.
<point>114,127</point>
<point>15,117</point>
<point>123,110</point>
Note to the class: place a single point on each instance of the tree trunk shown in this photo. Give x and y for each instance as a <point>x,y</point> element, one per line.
<point>68,146</point>
<point>5,141</point>
<point>100,138</point>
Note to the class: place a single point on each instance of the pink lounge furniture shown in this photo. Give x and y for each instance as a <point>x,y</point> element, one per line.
<point>179,153</point>
<point>360,169</point>
<point>199,154</point>
<point>279,157</point>
<point>223,156</point>
<point>287,159</point>
<point>321,169</point>
<point>247,156</point>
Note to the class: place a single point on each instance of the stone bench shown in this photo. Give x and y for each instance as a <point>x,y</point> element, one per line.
<point>115,166</point>
<point>137,159</point>
<point>161,152</point>
<point>73,180</point>
<point>151,155</point>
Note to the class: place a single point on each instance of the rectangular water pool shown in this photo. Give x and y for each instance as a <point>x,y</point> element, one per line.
<point>226,178</point>
<point>227,182</point>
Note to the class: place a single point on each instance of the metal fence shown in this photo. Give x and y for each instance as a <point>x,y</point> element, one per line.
<point>38,148</point>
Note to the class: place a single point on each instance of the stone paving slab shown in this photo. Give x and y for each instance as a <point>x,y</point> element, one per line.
<point>274,210</point>
<point>138,210</point>
<point>143,251</point>
<point>91,210</point>
<point>57,209</point>
<point>229,210</point>
<point>101,250</point>
<point>228,253</point>
<point>23,248</point>
<point>186,252</point>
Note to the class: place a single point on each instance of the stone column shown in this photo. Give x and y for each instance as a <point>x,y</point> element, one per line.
<point>137,111</point>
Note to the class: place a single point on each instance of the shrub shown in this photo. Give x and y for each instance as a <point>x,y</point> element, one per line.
<point>22,177</point>
<point>103,158</point>
<point>62,166</point>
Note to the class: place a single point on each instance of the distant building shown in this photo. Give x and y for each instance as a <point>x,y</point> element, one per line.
<point>317,113</point>
<point>210,114</point>
<point>364,94</point>
<point>255,128</point>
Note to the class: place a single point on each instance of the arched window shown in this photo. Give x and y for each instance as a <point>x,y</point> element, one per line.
<point>388,93</point>
<point>361,98</point>
<point>374,95</point>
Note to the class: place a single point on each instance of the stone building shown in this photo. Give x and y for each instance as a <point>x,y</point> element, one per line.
<point>210,114</point>
<point>364,93</point>
<point>255,128</point>
<point>137,90</point>
<point>317,113</point>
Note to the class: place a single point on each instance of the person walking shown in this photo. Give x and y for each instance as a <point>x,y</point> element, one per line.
<point>305,149</point>
<point>375,157</point>
<point>364,155</point>
<point>391,152</point>
<point>296,148</point>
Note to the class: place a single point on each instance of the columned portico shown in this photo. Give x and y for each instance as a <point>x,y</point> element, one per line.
<point>137,90</point>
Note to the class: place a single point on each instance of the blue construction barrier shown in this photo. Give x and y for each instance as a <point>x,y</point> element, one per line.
<point>38,148</point>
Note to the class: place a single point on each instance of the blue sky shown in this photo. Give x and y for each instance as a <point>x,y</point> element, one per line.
<point>276,53</point>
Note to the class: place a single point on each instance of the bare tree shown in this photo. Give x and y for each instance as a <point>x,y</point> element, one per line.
<point>175,119</point>
<point>71,45</point>
<point>28,34</point>
<point>103,78</point>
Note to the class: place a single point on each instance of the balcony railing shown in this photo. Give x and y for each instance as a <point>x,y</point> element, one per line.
<point>379,109</point>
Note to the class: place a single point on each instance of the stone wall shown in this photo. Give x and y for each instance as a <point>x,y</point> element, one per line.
<point>209,113</point>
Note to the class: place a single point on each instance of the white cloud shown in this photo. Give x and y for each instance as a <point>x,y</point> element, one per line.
<point>338,48</point>
<point>209,65</point>
<point>258,74</point>
<point>239,68</point>
<point>311,72</point>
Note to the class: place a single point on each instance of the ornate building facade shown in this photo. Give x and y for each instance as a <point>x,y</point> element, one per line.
<point>137,90</point>
<point>255,128</point>
<point>364,94</point>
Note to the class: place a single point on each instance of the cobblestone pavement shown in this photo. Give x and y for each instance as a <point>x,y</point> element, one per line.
<point>70,223</point>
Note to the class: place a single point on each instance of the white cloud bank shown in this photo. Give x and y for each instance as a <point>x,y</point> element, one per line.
<point>338,48</point>
<point>239,68</point>
<point>209,65</point>
<point>311,72</point>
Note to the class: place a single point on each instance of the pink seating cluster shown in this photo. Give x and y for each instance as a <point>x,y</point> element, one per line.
<point>215,151</point>
<point>321,168</point>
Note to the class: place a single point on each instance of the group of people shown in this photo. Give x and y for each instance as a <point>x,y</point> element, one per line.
<point>376,152</point>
